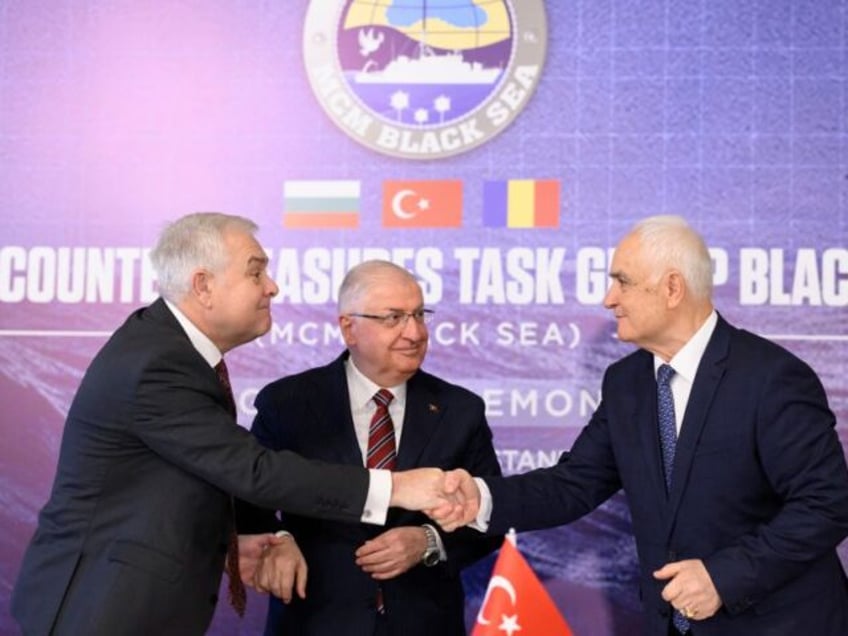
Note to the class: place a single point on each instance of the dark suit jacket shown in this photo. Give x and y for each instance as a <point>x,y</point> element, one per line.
<point>133,537</point>
<point>760,487</point>
<point>445,426</point>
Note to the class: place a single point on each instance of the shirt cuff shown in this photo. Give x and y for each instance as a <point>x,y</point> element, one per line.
<point>484,514</point>
<point>379,495</point>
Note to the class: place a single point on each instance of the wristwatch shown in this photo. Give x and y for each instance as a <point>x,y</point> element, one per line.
<point>431,554</point>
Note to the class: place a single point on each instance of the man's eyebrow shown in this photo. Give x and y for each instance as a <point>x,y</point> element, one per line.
<point>621,277</point>
<point>260,260</point>
<point>398,309</point>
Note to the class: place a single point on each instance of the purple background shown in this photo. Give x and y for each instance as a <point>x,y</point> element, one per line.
<point>116,116</point>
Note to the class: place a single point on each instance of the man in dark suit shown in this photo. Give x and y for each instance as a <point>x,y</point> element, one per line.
<point>133,537</point>
<point>362,580</point>
<point>737,521</point>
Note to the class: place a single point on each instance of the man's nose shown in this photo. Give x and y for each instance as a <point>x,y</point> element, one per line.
<point>611,297</point>
<point>274,289</point>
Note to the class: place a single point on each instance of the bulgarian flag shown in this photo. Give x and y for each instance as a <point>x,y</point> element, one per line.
<point>321,204</point>
<point>516,602</point>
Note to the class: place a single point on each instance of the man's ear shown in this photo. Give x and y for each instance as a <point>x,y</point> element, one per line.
<point>346,326</point>
<point>675,288</point>
<point>201,287</point>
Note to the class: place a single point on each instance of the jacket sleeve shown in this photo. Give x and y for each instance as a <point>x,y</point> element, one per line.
<point>252,519</point>
<point>804,463</point>
<point>179,413</point>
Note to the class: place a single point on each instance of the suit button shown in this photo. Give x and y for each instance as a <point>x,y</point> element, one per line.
<point>672,555</point>
<point>213,598</point>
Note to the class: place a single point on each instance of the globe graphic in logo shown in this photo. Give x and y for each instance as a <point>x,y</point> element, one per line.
<point>424,79</point>
<point>423,62</point>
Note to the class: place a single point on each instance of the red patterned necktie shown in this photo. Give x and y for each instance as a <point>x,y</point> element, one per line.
<point>381,451</point>
<point>224,379</point>
<point>381,434</point>
<point>238,595</point>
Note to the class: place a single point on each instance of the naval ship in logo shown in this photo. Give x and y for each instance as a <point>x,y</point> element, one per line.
<point>424,79</point>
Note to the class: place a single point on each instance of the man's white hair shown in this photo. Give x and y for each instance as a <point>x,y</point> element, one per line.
<point>193,242</point>
<point>669,242</point>
<point>361,277</point>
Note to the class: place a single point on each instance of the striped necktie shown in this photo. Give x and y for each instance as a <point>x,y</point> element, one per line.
<point>381,434</point>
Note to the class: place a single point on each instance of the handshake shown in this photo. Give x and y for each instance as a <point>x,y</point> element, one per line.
<point>451,499</point>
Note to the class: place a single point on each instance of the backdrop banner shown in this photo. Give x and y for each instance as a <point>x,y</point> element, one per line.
<point>498,149</point>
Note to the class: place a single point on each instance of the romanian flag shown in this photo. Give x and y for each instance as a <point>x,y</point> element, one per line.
<point>433,203</point>
<point>321,204</point>
<point>516,602</point>
<point>521,203</point>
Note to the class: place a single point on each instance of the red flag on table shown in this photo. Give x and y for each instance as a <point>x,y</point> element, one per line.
<point>516,602</point>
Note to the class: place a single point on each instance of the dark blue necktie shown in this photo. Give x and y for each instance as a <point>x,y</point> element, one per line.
<point>668,425</point>
<point>668,440</point>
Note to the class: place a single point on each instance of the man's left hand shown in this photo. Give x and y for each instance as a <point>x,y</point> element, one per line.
<point>393,552</point>
<point>690,589</point>
<point>283,570</point>
<point>251,550</point>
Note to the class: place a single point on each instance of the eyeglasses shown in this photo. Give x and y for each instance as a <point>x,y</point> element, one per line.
<point>395,318</point>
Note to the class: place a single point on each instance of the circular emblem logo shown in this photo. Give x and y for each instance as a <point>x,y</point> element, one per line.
<point>424,79</point>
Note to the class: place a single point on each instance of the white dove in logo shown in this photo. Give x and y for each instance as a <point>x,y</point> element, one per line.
<point>509,624</point>
<point>368,42</point>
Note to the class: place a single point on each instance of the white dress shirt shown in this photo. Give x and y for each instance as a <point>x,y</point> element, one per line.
<point>361,392</point>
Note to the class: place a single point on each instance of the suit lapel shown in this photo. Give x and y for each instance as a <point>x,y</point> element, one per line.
<point>710,371</point>
<point>422,416</point>
<point>332,403</point>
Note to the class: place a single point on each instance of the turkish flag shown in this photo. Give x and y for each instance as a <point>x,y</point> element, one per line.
<point>516,602</point>
<point>433,203</point>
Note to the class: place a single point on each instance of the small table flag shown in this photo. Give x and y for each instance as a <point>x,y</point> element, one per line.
<point>516,603</point>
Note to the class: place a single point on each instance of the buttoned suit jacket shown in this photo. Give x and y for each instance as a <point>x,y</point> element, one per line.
<point>759,487</point>
<point>444,426</point>
<point>133,538</point>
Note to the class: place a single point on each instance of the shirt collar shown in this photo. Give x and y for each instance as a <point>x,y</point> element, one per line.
<point>362,389</point>
<point>685,362</point>
<point>199,340</point>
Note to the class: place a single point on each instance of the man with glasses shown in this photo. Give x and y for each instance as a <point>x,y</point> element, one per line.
<point>372,406</point>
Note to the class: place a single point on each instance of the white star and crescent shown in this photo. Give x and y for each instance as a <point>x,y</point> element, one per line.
<point>509,624</point>
<point>397,204</point>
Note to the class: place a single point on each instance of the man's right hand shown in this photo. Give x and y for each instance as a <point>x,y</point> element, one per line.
<point>419,489</point>
<point>461,489</point>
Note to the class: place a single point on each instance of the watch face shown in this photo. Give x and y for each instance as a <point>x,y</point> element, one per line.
<point>431,558</point>
<point>431,554</point>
